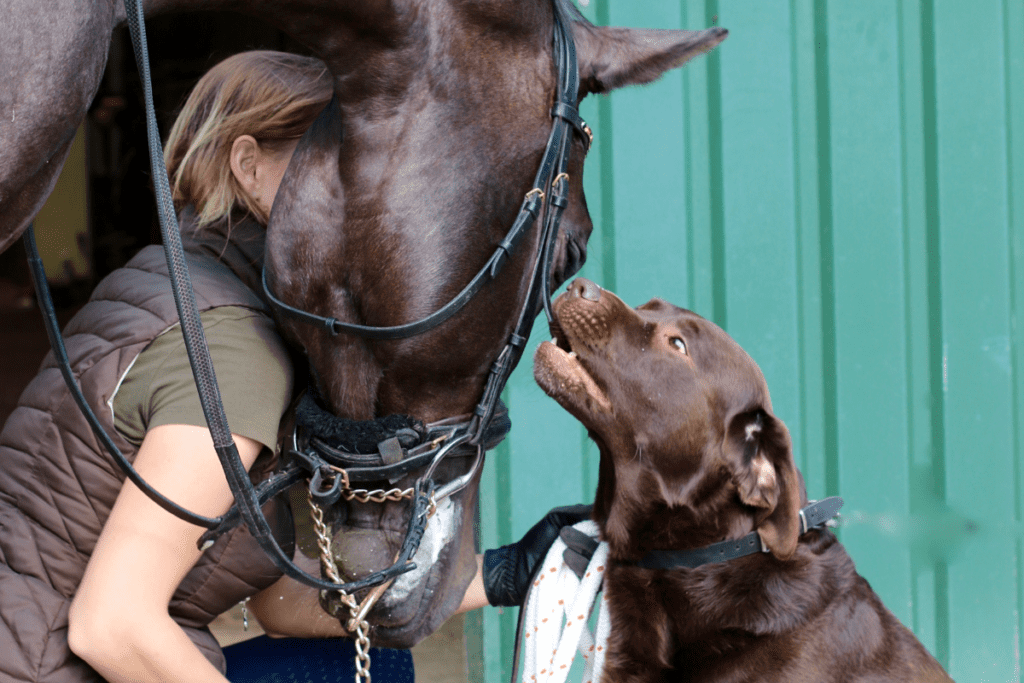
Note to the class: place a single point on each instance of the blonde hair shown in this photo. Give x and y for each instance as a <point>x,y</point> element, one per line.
<point>272,96</point>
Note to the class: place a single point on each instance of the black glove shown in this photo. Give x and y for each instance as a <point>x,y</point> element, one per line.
<point>580,548</point>
<point>509,569</point>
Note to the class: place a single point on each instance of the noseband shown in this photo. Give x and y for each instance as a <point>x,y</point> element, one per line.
<point>330,467</point>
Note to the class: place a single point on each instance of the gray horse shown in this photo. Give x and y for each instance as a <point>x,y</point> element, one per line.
<point>413,176</point>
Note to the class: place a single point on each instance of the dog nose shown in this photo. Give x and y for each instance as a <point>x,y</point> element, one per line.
<point>585,289</point>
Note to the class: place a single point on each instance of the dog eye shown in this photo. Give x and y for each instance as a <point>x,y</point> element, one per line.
<point>678,343</point>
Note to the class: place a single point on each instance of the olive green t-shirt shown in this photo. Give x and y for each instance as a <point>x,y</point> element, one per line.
<point>253,371</point>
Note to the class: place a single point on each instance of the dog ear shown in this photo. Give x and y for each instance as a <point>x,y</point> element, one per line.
<point>760,455</point>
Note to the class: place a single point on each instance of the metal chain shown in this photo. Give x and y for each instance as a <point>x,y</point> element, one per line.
<point>357,612</point>
<point>367,496</point>
<point>360,625</point>
<point>377,496</point>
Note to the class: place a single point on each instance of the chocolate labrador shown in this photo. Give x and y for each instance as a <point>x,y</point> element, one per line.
<point>691,456</point>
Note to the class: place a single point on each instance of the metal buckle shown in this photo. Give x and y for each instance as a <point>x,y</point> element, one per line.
<point>589,132</point>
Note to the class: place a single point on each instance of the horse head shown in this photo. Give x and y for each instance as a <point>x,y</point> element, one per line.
<point>393,201</point>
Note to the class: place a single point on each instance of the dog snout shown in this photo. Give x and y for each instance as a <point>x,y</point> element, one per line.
<point>585,289</point>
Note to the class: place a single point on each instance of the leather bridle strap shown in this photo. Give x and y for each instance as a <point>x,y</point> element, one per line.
<point>247,500</point>
<point>572,115</point>
<point>60,354</point>
<point>527,215</point>
<point>814,515</point>
<point>566,114</point>
<point>552,175</point>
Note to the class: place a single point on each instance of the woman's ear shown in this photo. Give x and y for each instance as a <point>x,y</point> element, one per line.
<point>245,153</point>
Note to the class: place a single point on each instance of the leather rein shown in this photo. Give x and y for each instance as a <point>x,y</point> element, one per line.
<point>329,468</point>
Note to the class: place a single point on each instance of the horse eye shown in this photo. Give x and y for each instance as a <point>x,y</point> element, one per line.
<point>678,343</point>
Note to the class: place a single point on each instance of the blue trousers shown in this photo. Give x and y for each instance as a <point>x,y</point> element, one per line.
<point>313,660</point>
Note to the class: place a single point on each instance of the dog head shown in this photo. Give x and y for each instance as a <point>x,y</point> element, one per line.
<point>683,419</point>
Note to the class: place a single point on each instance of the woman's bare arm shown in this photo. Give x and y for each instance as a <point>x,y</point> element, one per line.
<point>288,608</point>
<point>119,621</point>
<point>291,609</point>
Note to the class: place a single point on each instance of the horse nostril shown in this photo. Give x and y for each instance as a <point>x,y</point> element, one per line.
<point>585,289</point>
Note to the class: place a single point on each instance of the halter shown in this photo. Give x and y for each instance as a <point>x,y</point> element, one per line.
<point>327,466</point>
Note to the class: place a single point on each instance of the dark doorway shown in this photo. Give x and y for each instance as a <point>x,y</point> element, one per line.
<point>182,48</point>
<point>121,212</point>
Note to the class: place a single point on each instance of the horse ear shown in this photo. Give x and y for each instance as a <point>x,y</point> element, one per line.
<point>760,455</point>
<point>611,57</point>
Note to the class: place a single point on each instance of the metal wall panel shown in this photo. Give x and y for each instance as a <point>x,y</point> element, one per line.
<point>841,186</point>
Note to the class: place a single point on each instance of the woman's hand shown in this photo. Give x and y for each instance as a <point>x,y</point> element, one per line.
<point>118,621</point>
<point>508,570</point>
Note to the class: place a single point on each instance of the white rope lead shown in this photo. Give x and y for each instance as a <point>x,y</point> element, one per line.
<point>557,614</point>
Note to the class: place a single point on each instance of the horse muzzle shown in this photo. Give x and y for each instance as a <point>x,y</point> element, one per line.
<point>416,602</point>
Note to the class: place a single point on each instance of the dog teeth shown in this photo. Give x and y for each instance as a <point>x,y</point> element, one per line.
<point>572,354</point>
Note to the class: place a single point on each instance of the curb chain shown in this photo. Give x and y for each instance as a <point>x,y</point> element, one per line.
<point>358,622</point>
<point>366,496</point>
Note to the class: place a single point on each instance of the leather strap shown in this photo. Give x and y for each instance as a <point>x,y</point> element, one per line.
<point>527,215</point>
<point>572,115</point>
<point>811,517</point>
<point>818,513</point>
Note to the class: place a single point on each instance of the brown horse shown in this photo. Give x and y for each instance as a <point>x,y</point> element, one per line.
<point>392,202</point>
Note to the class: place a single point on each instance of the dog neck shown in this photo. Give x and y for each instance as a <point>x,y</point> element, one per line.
<point>813,516</point>
<point>636,515</point>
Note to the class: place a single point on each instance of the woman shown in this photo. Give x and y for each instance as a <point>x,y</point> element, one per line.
<point>88,564</point>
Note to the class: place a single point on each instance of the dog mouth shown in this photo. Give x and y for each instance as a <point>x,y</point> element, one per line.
<point>558,337</point>
<point>564,376</point>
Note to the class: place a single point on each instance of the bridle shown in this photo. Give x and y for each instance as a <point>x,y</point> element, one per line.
<point>324,464</point>
<point>329,468</point>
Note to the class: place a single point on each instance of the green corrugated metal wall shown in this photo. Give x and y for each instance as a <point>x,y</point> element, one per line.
<point>841,187</point>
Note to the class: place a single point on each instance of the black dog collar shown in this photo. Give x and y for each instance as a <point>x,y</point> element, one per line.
<point>811,517</point>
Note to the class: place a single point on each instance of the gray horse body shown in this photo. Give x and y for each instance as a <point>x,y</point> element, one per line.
<point>394,199</point>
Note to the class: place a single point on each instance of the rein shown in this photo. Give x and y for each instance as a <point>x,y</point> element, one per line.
<point>330,469</point>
